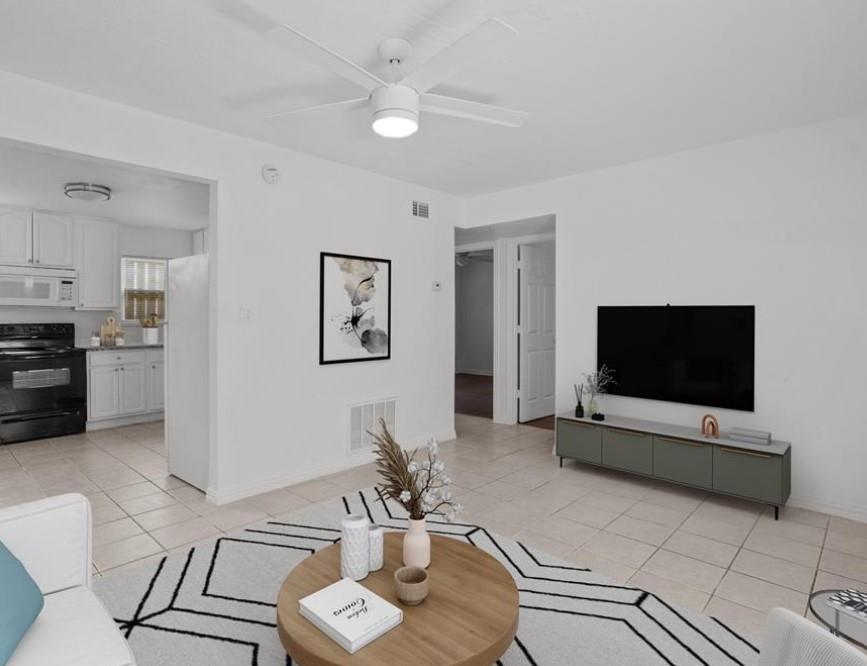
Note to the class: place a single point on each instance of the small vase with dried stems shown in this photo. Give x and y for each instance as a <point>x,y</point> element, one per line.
<point>420,486</point>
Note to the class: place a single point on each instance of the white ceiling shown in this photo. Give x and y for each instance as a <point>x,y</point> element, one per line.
<point>34,179</point>
<point>608,81</point>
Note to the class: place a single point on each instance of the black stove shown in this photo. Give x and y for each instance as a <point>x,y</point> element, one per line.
<point>43,382</point>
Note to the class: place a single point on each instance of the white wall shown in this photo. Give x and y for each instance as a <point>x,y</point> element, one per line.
<point>474,317</point>
<point>277,416</point>
<point>779,221</point>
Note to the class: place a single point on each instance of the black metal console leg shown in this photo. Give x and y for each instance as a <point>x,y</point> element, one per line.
<point>776,512</point>
<point>561,461</point>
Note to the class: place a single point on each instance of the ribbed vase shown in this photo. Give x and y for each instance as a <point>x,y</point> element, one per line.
<point>354,547</point>
<point>376,538</point>
<point>416,545</point>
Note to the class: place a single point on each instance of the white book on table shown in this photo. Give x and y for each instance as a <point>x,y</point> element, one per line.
<point>350,614</point>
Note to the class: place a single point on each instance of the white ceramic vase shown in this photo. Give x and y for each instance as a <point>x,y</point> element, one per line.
<point>416,545</point>
<point>376,539</point>
<point>354,547</point>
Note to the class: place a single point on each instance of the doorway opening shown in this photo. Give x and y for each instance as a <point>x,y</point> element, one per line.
<point>505,310</point>
<point>474,333</point>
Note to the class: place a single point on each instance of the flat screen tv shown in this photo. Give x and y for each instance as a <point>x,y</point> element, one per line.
<point>700,355</point>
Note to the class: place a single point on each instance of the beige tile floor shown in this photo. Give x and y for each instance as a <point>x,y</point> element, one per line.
<point>716,555</point>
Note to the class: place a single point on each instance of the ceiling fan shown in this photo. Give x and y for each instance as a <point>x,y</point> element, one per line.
<point>396,100</point>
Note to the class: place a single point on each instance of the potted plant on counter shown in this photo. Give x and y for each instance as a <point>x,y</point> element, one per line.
<point>420,486</point>
<point>150,329</point>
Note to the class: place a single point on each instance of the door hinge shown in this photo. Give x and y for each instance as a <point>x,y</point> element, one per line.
<point>518,329</point>
<point>520,264</point>
<point>519,394</point>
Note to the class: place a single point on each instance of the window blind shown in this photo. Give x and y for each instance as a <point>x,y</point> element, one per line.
<point>143,282</point>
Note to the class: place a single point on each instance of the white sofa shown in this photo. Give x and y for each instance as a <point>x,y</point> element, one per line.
<point>792,640</point>
<point>52,539</point>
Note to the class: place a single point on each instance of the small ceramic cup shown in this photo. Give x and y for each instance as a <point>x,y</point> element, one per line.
<point>412,585</point>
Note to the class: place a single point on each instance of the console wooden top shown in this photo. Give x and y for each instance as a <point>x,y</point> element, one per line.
<point>776,447</point>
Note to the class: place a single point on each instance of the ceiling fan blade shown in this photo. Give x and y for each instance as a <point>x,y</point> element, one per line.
<point>462,108</point>
<point>321,55</point>
<point>348,104</point>
<point>490,34</point>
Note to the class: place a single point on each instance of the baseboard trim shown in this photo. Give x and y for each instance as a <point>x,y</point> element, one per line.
<point>858,513</point>
<point>125,421</point>
<point>242,491</point>
<point>480,373</point>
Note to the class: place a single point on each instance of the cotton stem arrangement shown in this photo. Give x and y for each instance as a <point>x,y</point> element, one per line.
<point>420,486</point>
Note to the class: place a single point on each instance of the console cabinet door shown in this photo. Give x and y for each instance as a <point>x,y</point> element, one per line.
<point>52,240</point>
<point>683,461</point>
<point>98,264</point>
<point>132,392</point>
<point>104,389</point>
<point>627,450</point>
<point>750,474</point>
<point>581,441</point>
<point>16,237</point>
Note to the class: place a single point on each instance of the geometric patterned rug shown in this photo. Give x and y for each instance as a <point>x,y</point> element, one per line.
<point>214,602</point>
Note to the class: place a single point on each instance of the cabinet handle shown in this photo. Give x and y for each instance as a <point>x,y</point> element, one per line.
<point>123,369</point>
<point>630,433</point>
<point>681,441</point>
<point>37,261</point>
<point>741,452</point>
<point>115,369</point>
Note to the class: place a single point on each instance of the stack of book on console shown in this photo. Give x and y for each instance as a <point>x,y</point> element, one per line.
<point>350,614</point>
<point>750,436</point>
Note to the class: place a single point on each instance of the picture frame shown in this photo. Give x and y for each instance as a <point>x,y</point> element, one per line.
<point>354,308</point>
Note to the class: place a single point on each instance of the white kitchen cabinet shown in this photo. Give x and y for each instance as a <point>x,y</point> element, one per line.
<point>103,389</point>
<point>157,385</point>
<point>16,237</point>
<point>124,383</point>
<point>52,240</point>
<point>133,391</point>
<point>98,264</point>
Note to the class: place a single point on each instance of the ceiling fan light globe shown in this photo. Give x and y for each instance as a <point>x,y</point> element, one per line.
<point>395,123</point>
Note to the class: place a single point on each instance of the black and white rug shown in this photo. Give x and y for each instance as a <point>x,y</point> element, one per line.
<point>214,603</point>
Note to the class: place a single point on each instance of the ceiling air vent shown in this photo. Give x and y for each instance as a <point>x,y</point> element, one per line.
<point>421,209</point>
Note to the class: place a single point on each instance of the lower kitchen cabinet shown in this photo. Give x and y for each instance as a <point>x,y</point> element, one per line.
<point>125,383</point>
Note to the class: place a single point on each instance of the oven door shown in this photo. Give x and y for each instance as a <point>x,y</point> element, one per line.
<point>42,395</point>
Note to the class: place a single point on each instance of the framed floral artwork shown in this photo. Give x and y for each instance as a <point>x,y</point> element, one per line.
<point>354,308</point>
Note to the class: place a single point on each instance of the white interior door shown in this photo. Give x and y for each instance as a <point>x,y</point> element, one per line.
<point>186,368</point>
<point>536,348</point>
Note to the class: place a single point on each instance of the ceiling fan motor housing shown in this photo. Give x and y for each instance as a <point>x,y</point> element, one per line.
<point>395,100</point>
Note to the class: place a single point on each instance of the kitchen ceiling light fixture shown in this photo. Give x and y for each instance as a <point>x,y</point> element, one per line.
<point>395,111</point>
<point>87,191</point>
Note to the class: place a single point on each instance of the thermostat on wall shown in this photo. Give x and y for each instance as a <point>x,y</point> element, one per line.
<point>270,174</point>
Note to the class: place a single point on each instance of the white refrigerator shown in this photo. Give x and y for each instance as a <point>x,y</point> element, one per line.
<point>187,370</point>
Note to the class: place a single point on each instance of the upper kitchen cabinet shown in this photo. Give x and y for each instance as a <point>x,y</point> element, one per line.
<point>98,264</point>
<point>52,240</point>
<point>16,237</point>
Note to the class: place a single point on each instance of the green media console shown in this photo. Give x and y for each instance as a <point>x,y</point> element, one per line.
<point>681,455</point>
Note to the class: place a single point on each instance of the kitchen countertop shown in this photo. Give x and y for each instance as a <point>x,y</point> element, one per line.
<point>130,345</point>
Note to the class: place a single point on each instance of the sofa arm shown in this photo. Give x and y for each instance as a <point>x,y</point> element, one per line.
<point>51,537</point>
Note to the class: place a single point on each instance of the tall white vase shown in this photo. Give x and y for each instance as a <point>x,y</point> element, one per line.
<point>416,545</point>
<point>354,547</point>
<point>376,543</point>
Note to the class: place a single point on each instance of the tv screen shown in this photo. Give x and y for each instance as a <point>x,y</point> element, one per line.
<point>700,355</point>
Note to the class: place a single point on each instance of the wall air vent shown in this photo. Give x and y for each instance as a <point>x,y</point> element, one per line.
<point>421,209</point>
<point>364,419</point>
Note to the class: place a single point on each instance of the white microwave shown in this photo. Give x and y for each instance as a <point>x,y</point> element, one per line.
<point>54,287</point>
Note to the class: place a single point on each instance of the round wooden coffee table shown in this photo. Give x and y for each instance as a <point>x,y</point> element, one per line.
<point>470,616</point>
